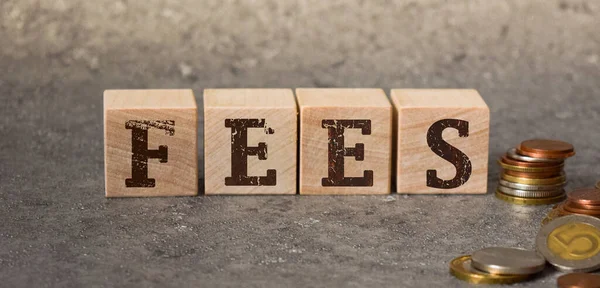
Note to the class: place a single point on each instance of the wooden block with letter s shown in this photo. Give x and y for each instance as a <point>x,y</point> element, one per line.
<point>345,141</point>
<point>443,141</point>
<point>150,143</point>
<point>250,138</point>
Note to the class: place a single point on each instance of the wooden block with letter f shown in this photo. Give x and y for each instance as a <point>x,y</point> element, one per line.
<point>150,143</point>
<point>250,138</point>
<point>443,140</point>
<point>345,141</point>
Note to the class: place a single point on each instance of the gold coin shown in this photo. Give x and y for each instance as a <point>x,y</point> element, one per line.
<point>529,201</point>
<point>461,268</point>
<point>531,181</point>
<point>559,241</point>
<point>532,175</point>
<point>530,169</point>
<point>571,243</point>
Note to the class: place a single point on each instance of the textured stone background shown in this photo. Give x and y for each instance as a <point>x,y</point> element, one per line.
<point>536,63</point>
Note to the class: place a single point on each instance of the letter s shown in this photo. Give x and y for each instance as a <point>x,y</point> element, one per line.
<point>449,153</point>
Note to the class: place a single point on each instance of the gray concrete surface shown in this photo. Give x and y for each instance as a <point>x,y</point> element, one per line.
<point>536,63</point>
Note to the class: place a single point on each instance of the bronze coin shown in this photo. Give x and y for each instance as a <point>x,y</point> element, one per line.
<point>572,209</point>
<point>578,280</point>
<point>543,148</point>
<point>512,154</point>
<point>514,162</point>
<point>533,175</point>
<point>589,196</point>
<point>562,211</point>
<point>583,206</point>
<point>530,169</point>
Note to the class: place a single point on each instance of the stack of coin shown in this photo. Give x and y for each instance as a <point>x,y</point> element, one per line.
<point>533,173</point>
<point>497,265</point>
<point>584,201</point>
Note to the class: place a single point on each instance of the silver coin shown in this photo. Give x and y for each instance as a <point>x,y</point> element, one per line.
<point>508,261</point>
<point>571,243</point>
<point>529,187</point>
<point>530,194</point>
<point>512,153</point>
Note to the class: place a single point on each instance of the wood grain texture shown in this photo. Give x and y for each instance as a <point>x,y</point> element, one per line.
<point>323,112</point>
<point>416,111</point>
<point>150,119</point>
<point>275,113</point>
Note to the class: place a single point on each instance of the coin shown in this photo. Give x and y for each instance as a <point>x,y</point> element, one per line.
<point>507,261</point>
<point>531,175</point>
<point>589,196</point>
<point>594,213</point>
<point>553,168</point>
<point>512,153</point>
<point>547,181</point>
<point>598,185</point>
<point>578,280</point>
<point>583,206</point>
<point>530,194</point>
<point>562,211</point>
<point>571,243</point>
<point>544,148</point>
<point>577,210</point>
<point>529,201</point>
<point>510,161</point>
<point>528,187</point>
<point>461,268</point>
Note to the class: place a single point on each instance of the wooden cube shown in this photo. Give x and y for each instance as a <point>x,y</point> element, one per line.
<point>250,138</point>
<point>150,143</point>
<point>345,141</point>
<point>443,139</point>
